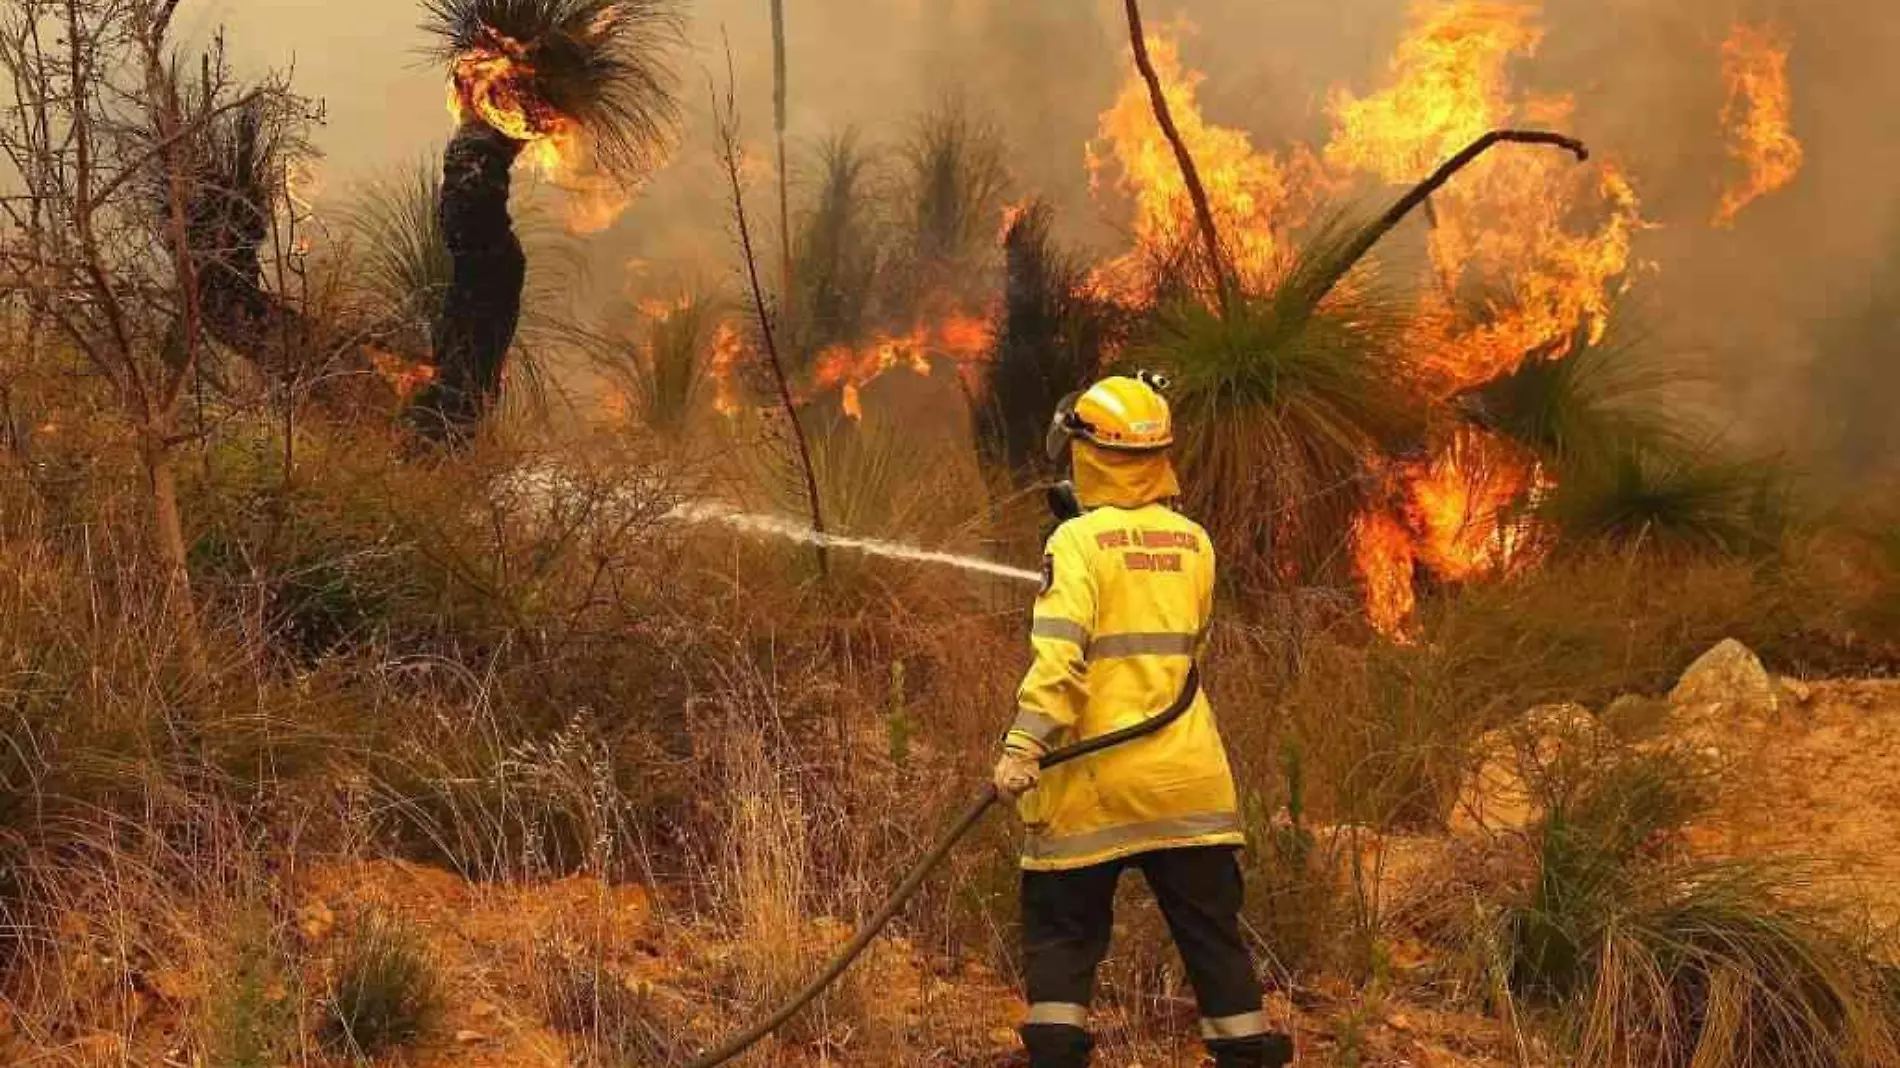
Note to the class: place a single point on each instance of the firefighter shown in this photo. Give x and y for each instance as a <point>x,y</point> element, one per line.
<point>1127,593</point>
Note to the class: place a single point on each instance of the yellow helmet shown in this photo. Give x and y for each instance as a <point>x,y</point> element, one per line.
<point>1120,414</point>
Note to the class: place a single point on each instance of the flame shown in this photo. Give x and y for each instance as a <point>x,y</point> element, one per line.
<point>496,85</point>
<point>964,340</point>
<point>405,376</point>
<point>1507,223</point>
<point>1254,196</point>
<point>1467,503</point>
<point>1758,117</point>
<point>1386,560</point>
<point>1450,85</point>
<point>728,347</point>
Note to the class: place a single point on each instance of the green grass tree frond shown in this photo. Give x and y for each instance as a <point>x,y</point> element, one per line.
<point>1286,411</point>
<point>1684,499</point>
<point>1581,405</point>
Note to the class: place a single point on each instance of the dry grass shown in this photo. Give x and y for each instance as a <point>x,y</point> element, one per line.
<point>439,663</point>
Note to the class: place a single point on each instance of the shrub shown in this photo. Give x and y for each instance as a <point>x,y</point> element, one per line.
<point>252,1021</point>
<point>385,993</point>
<point>1653,958</point>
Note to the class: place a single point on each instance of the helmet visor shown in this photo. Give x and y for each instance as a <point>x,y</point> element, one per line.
<point>1060,431</point>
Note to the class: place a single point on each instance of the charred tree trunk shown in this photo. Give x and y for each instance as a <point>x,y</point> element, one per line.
<point>482,308</point>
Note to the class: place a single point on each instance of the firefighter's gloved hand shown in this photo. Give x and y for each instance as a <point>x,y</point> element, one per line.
<point>1017,773</point>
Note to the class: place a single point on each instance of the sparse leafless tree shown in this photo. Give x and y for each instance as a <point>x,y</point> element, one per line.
<point>726,110</point>
<point>104,145</point>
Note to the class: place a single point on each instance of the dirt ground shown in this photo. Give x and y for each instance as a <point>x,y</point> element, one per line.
<point>1824,784</point>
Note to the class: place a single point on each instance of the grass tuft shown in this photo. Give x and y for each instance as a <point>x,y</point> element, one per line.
<point>609,1022</point>
<point>385,994</point>
<point>1677,501</point>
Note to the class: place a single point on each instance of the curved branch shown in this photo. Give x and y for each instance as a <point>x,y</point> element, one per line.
<point>1423,191</point>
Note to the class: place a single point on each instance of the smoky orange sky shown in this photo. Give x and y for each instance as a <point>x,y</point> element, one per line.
<point>1747,305</point>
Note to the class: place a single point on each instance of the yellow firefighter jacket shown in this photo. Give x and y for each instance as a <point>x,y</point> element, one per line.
<point>1128,593</point>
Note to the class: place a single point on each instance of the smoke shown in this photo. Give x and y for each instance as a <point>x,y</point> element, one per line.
<point>1778,311</point>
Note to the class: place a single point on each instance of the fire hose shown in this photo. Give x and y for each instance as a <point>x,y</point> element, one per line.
<point>921,871</point>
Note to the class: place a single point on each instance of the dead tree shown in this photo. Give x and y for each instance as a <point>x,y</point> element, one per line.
<point>727,112</point>
<point>96,239</point>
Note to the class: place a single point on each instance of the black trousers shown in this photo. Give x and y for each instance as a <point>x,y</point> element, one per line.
<point>1067,918</point>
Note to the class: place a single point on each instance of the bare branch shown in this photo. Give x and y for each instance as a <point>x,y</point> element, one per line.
<point>167,143</point>
<point>727,114</point>
<point>1203,211</point>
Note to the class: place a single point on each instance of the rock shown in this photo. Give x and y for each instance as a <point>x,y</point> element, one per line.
<point>1633,716</point>
<point>1498,797</point>
<point>1730,675</point>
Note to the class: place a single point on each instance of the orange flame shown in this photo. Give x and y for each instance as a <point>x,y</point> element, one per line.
<point>1255,196</point>
<point>1758,117</point>
<point>1506,222</point>
<point>496,86</point>
<point>1451,85</point>
<point>1386,560</point>
<point>404,376</point>
<point>728,347</point>
<point>961,339</point>
<point>1468,504</point>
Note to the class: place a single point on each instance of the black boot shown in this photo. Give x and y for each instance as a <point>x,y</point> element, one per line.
<point>1255,1051</point>
<point>1057,1046</point>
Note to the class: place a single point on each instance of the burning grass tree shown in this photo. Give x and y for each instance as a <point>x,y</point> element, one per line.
<point>560,77</point>
<point>1049,343</point>
<point>1288,410</point>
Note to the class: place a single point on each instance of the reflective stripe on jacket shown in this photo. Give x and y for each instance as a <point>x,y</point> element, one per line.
<point>1128,599</point>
